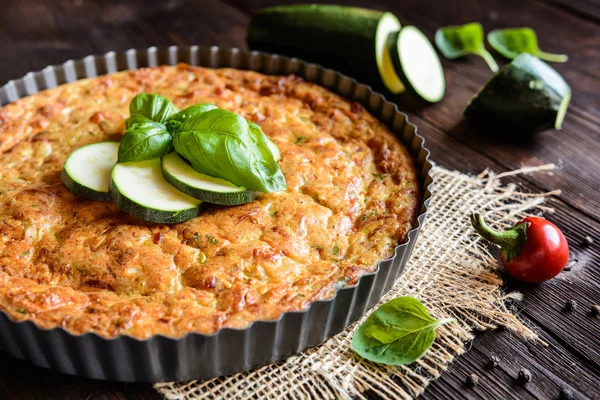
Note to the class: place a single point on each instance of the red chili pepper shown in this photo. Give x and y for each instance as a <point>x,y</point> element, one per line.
<point>534,250</point>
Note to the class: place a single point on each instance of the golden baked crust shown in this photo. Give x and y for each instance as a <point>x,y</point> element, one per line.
<point>352,196</point>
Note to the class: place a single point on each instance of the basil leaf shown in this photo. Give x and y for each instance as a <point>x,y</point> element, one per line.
<point>193,111</point>
<point>136,119</point>
<point>260,139</point>
<point>514,41</point>
<point>144,141</point>
<point>218,143</point>
<point>266,157</point>
<point>269,152</point>
<point>459,41</point>
<point>398,332</point>
<point>152,106</point>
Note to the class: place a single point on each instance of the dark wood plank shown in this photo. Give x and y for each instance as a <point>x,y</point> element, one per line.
<point>589,9</point>
<point>69,29</point>
<point>552,369</point>
<point>206,22</point>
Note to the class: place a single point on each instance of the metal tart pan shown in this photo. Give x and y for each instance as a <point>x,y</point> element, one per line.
<point>197,356</point>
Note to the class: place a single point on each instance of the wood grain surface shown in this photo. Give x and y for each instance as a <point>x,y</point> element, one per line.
<point>36,33</point>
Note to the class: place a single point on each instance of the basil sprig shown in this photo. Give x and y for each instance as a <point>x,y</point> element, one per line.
<point>216,142</point>
<point>222,144</point>
<point>399,332</point>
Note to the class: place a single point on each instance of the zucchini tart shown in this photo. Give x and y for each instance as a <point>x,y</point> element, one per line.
<point>352,196</point>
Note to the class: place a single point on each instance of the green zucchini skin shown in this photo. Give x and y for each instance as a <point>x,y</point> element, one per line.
<point>147,212</point>
<point>87,168</point>
<point>229,199</point>
<point>349,31</point>
<point>226,199</point>
<point>150,215</point>
<point>339,37</point>
<point>525,96</point>
<point>83,191</point>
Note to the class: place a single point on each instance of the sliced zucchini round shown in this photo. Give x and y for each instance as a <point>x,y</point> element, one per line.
<point>140,189</point>
<point>87,170</point>
<point>418,64</point>
<point>184,178</point>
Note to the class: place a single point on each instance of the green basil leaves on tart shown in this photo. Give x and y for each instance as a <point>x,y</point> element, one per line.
<point>219,158</point>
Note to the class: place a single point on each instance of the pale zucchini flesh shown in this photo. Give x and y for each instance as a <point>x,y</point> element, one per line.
<point>418,64</point>
<point>87,170</point>
<point>140,189</point>
<point>184,178</point>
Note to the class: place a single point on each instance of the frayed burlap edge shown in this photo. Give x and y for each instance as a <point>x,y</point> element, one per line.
<point>451,271</point>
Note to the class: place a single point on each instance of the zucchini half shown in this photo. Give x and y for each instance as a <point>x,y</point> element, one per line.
<point>351,39</point>
<point>184,178</point>
<point>417,63</point>
<point>87,170</point>
<point>139,189</point>
<point>525,96</point>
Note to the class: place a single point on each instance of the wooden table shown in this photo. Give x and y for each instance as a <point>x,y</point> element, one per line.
<point>35,33</point>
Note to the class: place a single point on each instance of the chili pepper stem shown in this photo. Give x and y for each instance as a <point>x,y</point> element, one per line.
<point>510,241</point>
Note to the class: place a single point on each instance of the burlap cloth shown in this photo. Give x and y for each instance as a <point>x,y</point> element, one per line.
<point>451,271</point>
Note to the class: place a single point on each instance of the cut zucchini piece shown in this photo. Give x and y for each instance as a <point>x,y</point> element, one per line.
<point>87,170</point>
<point>184,178</point>
<point>351,39</point>
<point>385,64</point>
<point>140,189</point>
<point>526,96</point>
<point>418,64</point>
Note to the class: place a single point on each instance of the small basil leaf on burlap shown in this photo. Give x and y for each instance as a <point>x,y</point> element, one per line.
<point>398,332</point>
<point>193,111</point>
<point>459,41</point>
<point>152,106</point>
<point>513,41</point>
<point>219,143</point>
<point>144,141</point>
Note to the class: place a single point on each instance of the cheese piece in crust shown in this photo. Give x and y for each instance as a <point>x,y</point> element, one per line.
<point>353,195</point>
